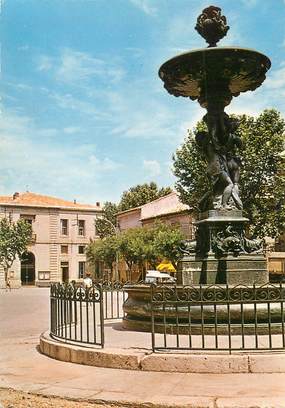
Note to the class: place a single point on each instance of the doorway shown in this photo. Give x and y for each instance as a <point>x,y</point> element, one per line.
<point>65,272</point>
<point>28,270</point>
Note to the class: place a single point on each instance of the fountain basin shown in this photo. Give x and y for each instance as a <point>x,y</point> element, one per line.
<point>172,316</point>
<point>227,71</point>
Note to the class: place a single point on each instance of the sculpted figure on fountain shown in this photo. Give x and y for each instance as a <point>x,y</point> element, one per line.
<point>219,147</point>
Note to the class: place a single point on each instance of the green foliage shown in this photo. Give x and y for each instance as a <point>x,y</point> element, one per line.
<point>105,225</point>
<point>263,172</point>
<point>190,170</point>
<point>133,246</point>
<point>139,246</point>
<point>150,245</point>
<point>167,242</point>
<point>103,250</point>
<point>141,194</point>
<point>14,239</point>
<point>262,181</point>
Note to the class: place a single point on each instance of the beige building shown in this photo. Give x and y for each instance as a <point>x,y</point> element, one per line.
<point>167,209</point>
<point>61,230</point>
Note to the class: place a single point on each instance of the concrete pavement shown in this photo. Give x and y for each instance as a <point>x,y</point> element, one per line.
<point>24,315</point>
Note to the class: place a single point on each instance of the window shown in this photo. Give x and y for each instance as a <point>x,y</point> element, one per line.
<point>81,249</point>
<point>81,270</point>
<point>81,227</point>
<point>64,227</point>
<point>44,275</point>
<point>28,218</point>
<point>64,249</point>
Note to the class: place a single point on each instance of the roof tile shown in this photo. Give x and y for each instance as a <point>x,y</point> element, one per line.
<point>39,200</point>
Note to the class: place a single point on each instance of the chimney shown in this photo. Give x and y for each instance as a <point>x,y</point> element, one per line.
<point>98,204</point>
<point>74,201</point>
<point>16,195</point>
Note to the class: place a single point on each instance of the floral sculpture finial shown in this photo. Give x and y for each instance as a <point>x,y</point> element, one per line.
<point>211,25</point>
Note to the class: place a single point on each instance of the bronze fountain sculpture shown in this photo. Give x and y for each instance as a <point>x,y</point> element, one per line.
<point>214,76</point>
<point>221,253</point>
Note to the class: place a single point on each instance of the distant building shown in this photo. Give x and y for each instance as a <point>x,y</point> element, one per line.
<point>61,230</point>
<point>170,210</point>
<point>167,209</point>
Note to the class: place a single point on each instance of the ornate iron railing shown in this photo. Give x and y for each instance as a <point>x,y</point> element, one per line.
<point>77,313</point>
<point>218,317</point>
<point>114,297</point>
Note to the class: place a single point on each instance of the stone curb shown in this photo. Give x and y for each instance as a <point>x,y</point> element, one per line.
<point>166,401</point>
<point>140,360</point>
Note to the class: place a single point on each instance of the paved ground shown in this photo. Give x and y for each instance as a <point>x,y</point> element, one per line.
<point>24,315</point>
<point>17,399</point>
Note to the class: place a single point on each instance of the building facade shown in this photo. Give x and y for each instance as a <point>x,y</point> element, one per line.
<point>167,209</point>
<point>61,230</point>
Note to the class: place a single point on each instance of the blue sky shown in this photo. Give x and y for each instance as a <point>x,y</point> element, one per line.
<point>84,114</point>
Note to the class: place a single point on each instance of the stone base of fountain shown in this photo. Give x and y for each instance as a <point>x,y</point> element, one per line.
<point>231,270</point>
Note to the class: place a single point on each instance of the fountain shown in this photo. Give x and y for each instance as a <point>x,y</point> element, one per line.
<point>221,253</point>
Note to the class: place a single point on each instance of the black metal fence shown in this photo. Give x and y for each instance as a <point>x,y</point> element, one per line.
<point>77,313</point>
<point>218,317</point>
<point>113,299</point>
<point>114,296</point>
<point>203,317</point>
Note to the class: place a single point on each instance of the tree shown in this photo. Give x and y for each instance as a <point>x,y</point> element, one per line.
<point>262,181</point>
<point>103,250</point>
<point>105,225</point>
<point>131,245</point>
<point>141,246</point>
<point>149,245</point>
<point>167,242</point>
<point>141,194</point>
<point>14,239</point>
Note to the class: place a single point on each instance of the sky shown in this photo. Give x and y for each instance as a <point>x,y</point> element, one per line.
<point>84,114</point>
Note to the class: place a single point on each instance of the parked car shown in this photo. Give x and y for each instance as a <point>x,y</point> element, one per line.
<point>158,277</point>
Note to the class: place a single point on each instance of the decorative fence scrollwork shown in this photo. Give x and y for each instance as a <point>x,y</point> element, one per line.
<point>218,317</point>
<point>77,313</point>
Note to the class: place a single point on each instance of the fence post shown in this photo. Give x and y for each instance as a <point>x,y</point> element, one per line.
<point>152,288</point>
<point>100,287</point>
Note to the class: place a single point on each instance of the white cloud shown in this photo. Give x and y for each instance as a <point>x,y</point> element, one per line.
<point>24,47</point>
<point>104,165</point>
<point>145,123</point>
<point>146,6</point>
<point>136,52</point>
<point>68,102</point>
<point>152,167</point>
<point>45,63</point>
<point>131,112</point>
<point>70,130</point>
<point>250,3</point>
<point>22,87</point>
<point>75,67</point>
<point>28,158</point>
<point>181,35</point>
<point>276,79</point>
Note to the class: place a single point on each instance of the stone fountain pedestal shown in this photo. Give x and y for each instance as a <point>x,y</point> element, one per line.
<point>223,253</point>
<point>247,268</point>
